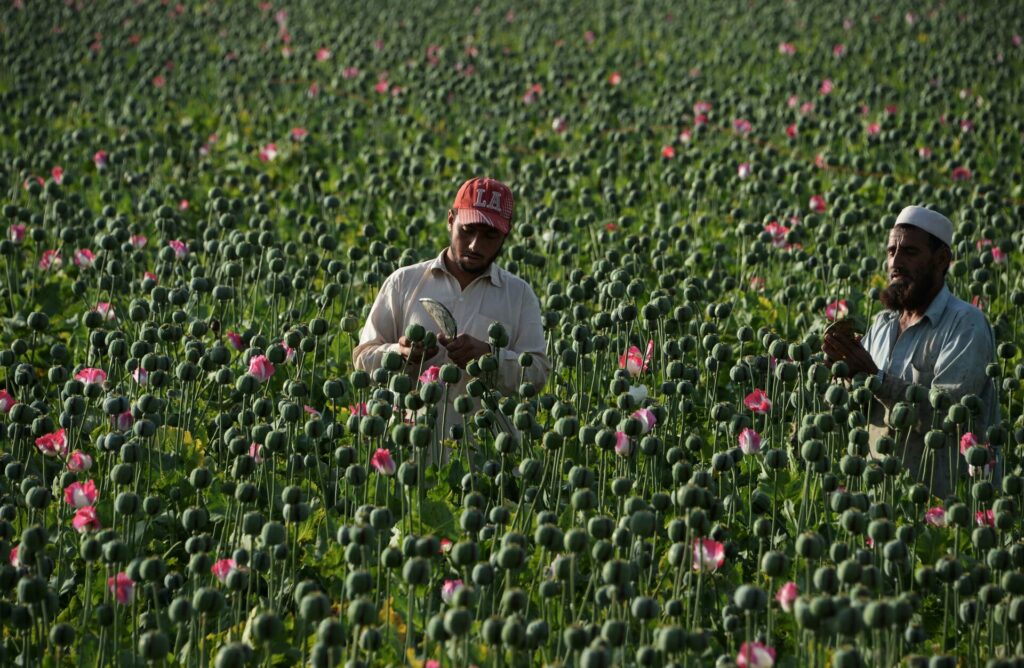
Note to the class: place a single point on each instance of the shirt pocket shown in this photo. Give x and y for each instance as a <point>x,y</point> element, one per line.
<point>922,376</point>
<point>496,312</point>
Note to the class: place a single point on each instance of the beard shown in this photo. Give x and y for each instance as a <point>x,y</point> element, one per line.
<point>908,293</point>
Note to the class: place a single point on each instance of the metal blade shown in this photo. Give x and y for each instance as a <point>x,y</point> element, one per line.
<point>441,315</point>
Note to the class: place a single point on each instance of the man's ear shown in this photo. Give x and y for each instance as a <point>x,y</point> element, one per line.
<point>451,217</point>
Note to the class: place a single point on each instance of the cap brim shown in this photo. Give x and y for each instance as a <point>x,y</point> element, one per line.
<point>471,216</point>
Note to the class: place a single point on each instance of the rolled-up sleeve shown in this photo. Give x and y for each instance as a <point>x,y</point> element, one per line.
<point>380,333</point>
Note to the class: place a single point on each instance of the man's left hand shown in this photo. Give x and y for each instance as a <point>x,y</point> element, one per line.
<point>846,349</point>
<point>463,348</point>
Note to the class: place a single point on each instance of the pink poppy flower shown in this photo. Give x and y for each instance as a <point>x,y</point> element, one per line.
<point>79,461</point>
<point>924,153</point>
<point>106,310</point>
<point>261,368</point>
<point>633,362</point>
<point>141,376</point>
<point>311,411</point>
<point>792,101</point>
<point>817,204</point>
<point>431,375</point>
<point>967,441</point>
<point>16,233</point>
<point>935,517</point>
<point>758,402</point>
<point>532,93</point>
<point>27,183</point>
<point>559,125</point>
<point>961,173</point>
<point>84,258</point>
<point>787,48</point>
<point>786,595</point>
<point>837,309</point>
<point>382,462</point>
<point>138,240</point>
<point>313,90</point>
<point>151,276</point>
<point>12,557</point>
<point>874,129</point>
<point>985,518</point>
<point>350,73</point>
<point>839,50</point>
<point>743,171</point>
<point>623,446</point>
<point>685,136</point>
<point>99,158</point>
<point>268,152</point>
<point>668,152</point>
<point>806,107</point>
<point>589,37</point>
<point>778,233</point>
<point>448,589</point>
<point>382,86</point>
<point>254,452</point>
<point>998,256</point>
<point>53,444</point>
<point>122,587</point>
<point>123,421</point>
<point>792,131</point>
<point>1016,40</point>
<point>826,87</point>
<point>58,174</point>
<point>180,249</point>
<point>51,259</point>
<point>446,546</point>
<point>708,554</point>
<point>7,401</point>
<point>86,519</point>
<point>91,375</point>
<point>80,495</point>
<point>323,54</point>
<point>358,409</point>
<point>966,125</point>
<point>289,353</point>
<point>235,339</point>
<point>158,81</point>
<point>647,419</point>
<point>299,134</point>
<point>614,79</point>
<point>183,204</point>
<point>750,441</point>
<point>820,162</point>
<point>222,568</point>
<point>742,126</point>
<point>755,655</point>
<point>757,283</point>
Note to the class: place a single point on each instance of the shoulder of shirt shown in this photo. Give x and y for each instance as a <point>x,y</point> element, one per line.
<point>510,279</point>
<point>962,311</point>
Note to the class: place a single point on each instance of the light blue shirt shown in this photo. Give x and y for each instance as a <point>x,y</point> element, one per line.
<point>947,349</point>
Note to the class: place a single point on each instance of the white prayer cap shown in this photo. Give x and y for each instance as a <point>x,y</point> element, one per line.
<point>932,222</point>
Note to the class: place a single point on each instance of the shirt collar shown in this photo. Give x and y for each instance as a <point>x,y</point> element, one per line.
<point>493,271</point>
<point>938,305</point>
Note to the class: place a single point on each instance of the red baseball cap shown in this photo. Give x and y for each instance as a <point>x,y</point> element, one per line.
<point>485,200</point>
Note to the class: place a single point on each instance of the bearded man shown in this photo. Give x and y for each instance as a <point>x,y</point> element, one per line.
<point>929,337</point>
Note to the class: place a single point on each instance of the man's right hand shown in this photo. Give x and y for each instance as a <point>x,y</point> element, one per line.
<point>415,352</point>
<point>843,348</point>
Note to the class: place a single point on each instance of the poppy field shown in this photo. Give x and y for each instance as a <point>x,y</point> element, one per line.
<point>200,202</point>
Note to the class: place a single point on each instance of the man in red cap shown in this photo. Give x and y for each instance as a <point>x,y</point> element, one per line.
<point>477,292</point>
